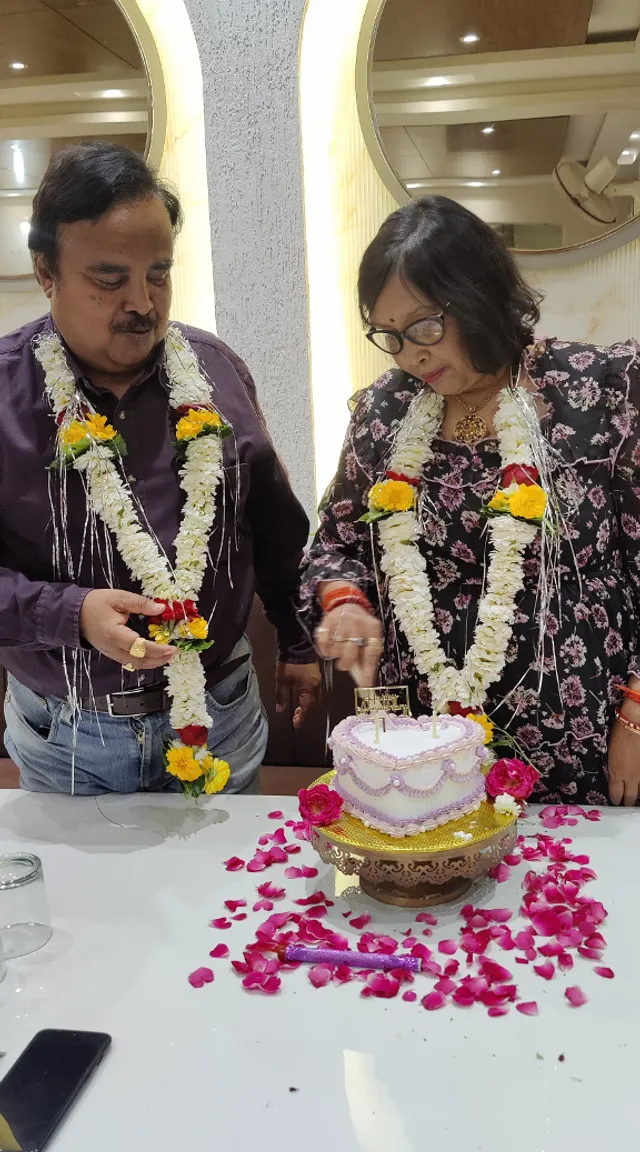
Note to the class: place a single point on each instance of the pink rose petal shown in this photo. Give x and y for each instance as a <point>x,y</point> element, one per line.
<point>501,873</point>
<point>426,918</point>
<point>421,952</point>
<point>258,864</point>
<point>445,985</point>
<point>451,967</point>
<point>433,967</point>
<point>546,970</point>
<point>409,942</point>
<point>320,975</point>
<point>278,855</point>
<point>576,996</point>
<point>239,916</point>
<point>270,891</point>
<point>433,1000</point>
<point>565,962</point>
<point>304,873</point>
<point>527,1008</point>
<point>500,915</point>
<point>410,996</point>
<point>220,922</point>
<point>463,997</point>
<point>292,849</point>
<point>200,977</point>
<point>448,947</point>
<point>263,906</point>
<point>383,984</point>
<point>220,952</point>
<point>606,973</point>
<point>361,921</point>
<point>494,972</point>
<point>233,905</point>
<point>234,864</point>
<point>498,1010</point>
<point>277,815</point>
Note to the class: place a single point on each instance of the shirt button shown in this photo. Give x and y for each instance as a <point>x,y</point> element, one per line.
<point>122,415</point>
<point>131,479</point>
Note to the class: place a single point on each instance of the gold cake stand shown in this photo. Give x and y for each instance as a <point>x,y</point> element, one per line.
<point>416,871</point>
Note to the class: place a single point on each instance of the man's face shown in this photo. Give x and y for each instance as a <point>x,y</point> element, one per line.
<point>111,295</point>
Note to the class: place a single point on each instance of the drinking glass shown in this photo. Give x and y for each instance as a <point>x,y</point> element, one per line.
<point>25,925</point>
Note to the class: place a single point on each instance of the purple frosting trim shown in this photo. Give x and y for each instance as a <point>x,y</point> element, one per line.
<point>346,767</point>
<point>345,738</point>
<point>408,826</point>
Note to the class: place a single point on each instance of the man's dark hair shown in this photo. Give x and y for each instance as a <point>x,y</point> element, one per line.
<point>85,181</point>
<point>460,263</point>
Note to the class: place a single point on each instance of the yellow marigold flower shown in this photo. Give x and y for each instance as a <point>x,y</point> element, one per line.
<point>196,629</point>
<point>73,434</point>
<point>499,502</point>
<point>485,723</point>
<point>159,633</point>
<point>96,425</point>
<point>195,422</point>
<point>217,775</point>
<point>182,763</point>
<point>529,502</point>
<point>392,496</point>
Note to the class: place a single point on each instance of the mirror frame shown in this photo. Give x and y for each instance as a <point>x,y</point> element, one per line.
<point>527,258</point>
<point>157,130</point>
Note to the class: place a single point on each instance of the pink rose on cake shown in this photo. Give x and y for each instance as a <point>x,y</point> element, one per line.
<point>514,777</point>
<point>320,805</point>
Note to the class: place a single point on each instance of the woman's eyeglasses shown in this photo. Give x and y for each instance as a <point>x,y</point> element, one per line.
<point>428,330</point>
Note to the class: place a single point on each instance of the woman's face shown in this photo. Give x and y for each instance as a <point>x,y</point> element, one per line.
<point>443,366</point>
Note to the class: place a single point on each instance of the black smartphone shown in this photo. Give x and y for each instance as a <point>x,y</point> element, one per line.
<point>41,1086</point>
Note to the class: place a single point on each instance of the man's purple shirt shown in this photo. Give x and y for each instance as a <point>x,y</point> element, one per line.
<point>259,532</point>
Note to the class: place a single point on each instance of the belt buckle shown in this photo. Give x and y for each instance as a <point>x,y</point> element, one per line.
<point>129,692</point>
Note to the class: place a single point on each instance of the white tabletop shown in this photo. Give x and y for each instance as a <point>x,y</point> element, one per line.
<point>214,1068</point>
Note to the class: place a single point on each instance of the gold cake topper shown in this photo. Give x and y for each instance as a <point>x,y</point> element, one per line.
<point>372,701</point>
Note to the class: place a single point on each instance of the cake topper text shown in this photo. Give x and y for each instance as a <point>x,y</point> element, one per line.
<point>373,701</point>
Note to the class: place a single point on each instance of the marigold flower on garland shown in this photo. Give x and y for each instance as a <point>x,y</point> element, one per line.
<point>388,496</point>
<point>197,422</point>
<point>197,770</point>
<point>527,501</point>
<point>485,723</point>
<point>76,437</point>
<point>182,625</point>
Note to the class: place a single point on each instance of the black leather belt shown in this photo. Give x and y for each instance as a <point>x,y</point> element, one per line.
<point>139,702</point>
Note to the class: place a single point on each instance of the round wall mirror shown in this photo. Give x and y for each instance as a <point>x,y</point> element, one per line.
<point>525,111</point>
<point>70,70</point>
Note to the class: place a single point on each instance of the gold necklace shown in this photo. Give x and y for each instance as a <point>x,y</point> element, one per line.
<point>472,428</point>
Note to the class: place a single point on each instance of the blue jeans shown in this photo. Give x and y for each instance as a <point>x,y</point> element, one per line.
<point>121,754</point>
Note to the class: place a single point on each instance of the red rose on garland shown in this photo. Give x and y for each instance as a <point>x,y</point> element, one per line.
<point>320,805</point>
<point>514,777</point>
<point>519,474</point>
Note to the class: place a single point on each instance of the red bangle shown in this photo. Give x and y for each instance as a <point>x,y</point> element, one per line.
<point>631,694</point>
<point>344,594</point>
<point>627,723</point>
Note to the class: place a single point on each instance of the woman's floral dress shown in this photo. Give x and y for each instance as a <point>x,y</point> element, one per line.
<point>562,719</point>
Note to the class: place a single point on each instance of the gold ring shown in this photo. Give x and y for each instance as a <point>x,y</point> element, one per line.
<point>138,649</point>
<point>374,642</point>
<point>128,667</point>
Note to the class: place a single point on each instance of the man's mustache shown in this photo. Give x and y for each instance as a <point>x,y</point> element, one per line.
<point>137,324</point>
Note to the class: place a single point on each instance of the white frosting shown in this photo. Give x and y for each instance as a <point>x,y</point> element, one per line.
<point>404,743</point>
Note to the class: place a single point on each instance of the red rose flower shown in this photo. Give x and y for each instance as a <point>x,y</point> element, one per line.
<point>456,709</point>
<point>193,734</point>
<point>167,611</point>
<point>191,609</point>
<point>520,474</point>
<point>513,777</point>
<point>320,805</point>
<point>402,478</point>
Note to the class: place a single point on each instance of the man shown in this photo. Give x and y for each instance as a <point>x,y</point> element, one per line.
<point>87,705</point>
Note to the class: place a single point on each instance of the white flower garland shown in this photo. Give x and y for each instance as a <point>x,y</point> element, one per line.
<point>111,500</point>
<point>404,565</point>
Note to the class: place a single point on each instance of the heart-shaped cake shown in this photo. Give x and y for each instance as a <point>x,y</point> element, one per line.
<point>409,778</point>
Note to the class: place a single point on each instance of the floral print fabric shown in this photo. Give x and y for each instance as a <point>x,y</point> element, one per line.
<point>560,715</point>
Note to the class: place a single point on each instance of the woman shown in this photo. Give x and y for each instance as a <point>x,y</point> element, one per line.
<point>524,605</point>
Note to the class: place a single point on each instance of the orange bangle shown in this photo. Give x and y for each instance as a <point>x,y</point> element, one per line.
<point>630,694</point>
<point>627,723</point>
<point>344,594</point>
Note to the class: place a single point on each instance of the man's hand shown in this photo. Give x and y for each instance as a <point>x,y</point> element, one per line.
<point>354,639</point>
<point>624,757</point>
<point>103,622</point>
<point>298,688</point>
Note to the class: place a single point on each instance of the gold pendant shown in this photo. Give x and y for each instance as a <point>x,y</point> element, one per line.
<point>471,429</point>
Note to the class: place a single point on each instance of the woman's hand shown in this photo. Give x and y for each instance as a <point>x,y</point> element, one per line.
<point>624,759</point>
<point>354,639</point>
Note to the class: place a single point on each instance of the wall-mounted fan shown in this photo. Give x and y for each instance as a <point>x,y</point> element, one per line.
<point>591,192</point>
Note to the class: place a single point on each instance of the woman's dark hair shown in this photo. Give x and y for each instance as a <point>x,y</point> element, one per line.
<point>86,180</point>
<point>460,263</point>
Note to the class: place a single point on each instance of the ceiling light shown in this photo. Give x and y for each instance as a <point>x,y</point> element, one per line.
<point>18,163</point>
<point>488,130</point>
<point>113,93</point>
<point>17,65</point>
<point>496,172</point>
<point>470,38</point>
<point>437,81</point>
<point>476,184</point>
<point>635,136</point>
<point>415,184</point>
